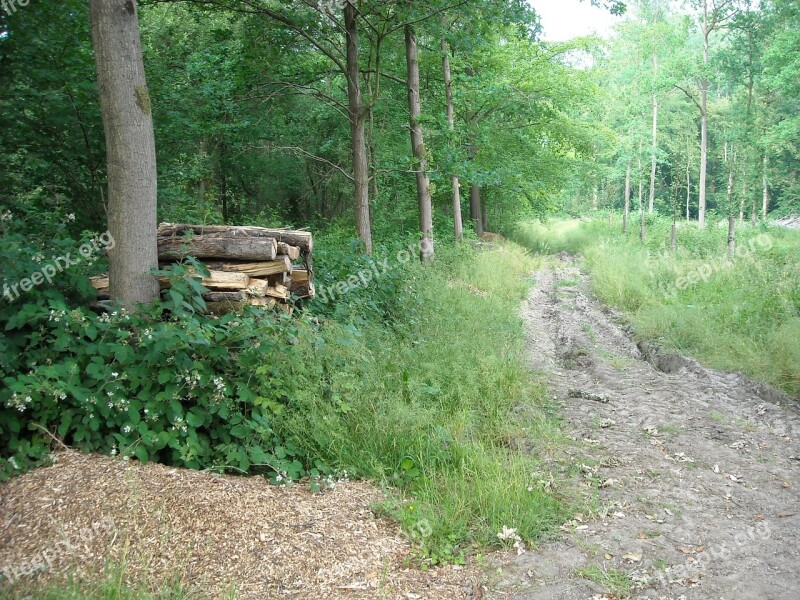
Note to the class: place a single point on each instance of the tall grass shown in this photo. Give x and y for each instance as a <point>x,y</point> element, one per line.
<point>741,315</point>
<point>436,404</point>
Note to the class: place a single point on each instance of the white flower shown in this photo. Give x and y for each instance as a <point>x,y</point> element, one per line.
<point>115,374</point>
<point>71,217</point>
<point>126,429</point>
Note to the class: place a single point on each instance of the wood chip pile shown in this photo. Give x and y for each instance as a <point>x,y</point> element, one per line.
<point>253,266</point>
<point>210,533</point>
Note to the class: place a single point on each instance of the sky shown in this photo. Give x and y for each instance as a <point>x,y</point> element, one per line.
<point>565,19</point>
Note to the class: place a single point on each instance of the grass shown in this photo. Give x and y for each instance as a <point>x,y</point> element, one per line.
<point>112,586</point>
<point>739,315</point>
<point>439,401</point>
<point>615,582</point>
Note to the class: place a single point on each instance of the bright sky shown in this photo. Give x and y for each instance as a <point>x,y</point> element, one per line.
<point>566,19</point>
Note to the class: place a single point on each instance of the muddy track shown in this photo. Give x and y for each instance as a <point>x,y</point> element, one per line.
<point>697,471</point>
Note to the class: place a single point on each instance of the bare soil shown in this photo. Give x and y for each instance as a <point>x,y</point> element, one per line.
<point>697,471</point>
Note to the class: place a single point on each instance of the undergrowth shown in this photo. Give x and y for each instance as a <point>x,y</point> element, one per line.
<point>741,314</point>
<point>415,379</point>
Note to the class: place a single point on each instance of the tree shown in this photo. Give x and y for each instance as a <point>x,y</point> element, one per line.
<point>130,147</point>
<point>418,147</point>
<point>357,115</point>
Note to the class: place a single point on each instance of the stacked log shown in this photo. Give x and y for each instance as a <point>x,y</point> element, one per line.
<point>254,266</point>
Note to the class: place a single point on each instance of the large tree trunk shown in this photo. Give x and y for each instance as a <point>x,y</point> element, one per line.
<point>458,226</point>
<point>358,140</point>
<point>701,216</point>
<point>627,208</point>
<point>475,209</point>
<point>418,147</point>
<point>131,151</point>
<point>654,162</point>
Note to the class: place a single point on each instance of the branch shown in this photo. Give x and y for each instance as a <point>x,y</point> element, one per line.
<point>425,18</point>
<point>690,96</point>
<point>307,154</point>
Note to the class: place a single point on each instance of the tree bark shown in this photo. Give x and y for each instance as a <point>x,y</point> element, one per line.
<point>131,152</point>
<point>475,209</point>
<point>627,208</point>
<point>418,148</point>
<point>642,222</point>
<point>731,236</point>
<point>358,140</point>
<point>701,217</point>
<point>765,186</point>
<point>673,240</point>
<point>688,182</point>
<point>458,225</point>
<point>654,161</point>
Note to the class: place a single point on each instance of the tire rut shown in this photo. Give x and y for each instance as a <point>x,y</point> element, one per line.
<point>697,469</point>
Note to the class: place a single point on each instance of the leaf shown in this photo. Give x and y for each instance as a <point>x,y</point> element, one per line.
<point>141,454</point>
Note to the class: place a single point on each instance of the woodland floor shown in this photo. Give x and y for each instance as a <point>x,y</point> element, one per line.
<point>697,473</point>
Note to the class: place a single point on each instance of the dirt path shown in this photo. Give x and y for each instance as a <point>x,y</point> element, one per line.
<point>698,470</point>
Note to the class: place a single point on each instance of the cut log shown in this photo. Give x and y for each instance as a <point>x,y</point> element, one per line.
<point>280,279</point>
<point>258,288</point>
<point>263,302</point>
<point>299,276</point>
<point>101,282</point>
<point>293,252</point>
<point>302,239</point>
<point>225,297</point>
<point>280,291</point>
<point>217,246</point>
<point>303,290</point>
<point>281,264</point>
<point>221,280</point>
<point>217,280</point>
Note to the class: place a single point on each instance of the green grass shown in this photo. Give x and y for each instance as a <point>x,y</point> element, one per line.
<point>742,315</point>
<point>439,403</point>
<point>110,587</point>
<point>615,582</point>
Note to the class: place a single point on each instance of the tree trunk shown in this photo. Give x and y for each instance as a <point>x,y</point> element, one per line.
<point>485,218</point>
<point>358,136</point>
<point>627,208</point>
<point>131,151</point>
<point>418,148</point>
<point>673,241</point>
<point>701,216</point>
<point>765,184</point>
<point>731,236</point>
<point>654,162</point>
<point>475,209</point>
<point>642,223</point>
<point>458,226</point>
<point>688,182</point>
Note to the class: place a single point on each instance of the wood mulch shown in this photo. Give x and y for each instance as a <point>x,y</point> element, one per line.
<point>88,513</point>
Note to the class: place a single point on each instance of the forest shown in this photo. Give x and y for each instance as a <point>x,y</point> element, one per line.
<point>554,285</point>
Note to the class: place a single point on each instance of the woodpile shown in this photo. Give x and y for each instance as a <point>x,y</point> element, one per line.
<point>253,266</point>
